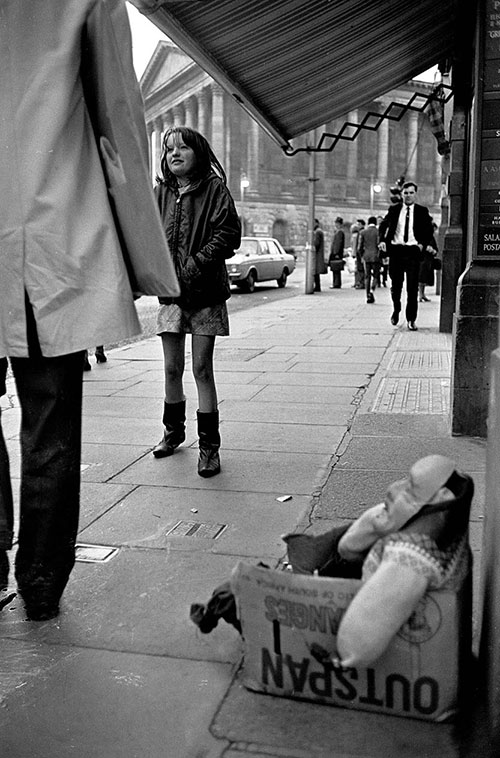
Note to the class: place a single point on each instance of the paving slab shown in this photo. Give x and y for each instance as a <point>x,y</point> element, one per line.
<point>113,704</point>
<point>251,471</point>
<point>258,722</point>
<point>402,452</point>
<point>276,436</point>
<point>326,412</point>
<point>122,430</point>
<point>96,498</point>
<point>101,461</point>
<point>251,523</point>
<point>308,394</point>
<point>138,602</point>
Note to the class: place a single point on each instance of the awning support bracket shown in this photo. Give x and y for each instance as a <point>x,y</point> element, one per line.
<point>373,119</point>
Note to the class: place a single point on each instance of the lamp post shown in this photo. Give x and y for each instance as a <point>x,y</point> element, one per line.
<point>375,189</point>
<point>244,184</point>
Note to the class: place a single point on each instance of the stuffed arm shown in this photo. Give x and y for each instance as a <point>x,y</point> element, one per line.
<point>376,613</point>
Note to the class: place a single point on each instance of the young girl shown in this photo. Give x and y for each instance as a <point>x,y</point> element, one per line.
<point>203,229</point>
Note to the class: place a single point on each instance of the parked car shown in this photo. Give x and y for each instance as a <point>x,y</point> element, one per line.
<point>259,259</point>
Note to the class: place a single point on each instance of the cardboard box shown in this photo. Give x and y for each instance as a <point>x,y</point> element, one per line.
<point>286,616</point>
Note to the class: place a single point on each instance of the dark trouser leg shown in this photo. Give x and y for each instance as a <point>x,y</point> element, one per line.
<point>412,274</point>
<point>317,283</point>
<point>50,394</point>
<point>396,272</point>
<point>368,279</point>
<point>6,501</point>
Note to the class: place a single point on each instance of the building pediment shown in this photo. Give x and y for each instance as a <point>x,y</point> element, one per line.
<point>165,64</point>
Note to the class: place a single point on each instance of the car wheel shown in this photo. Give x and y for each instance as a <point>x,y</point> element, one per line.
<point>250,281</point>
<point>282,280</point>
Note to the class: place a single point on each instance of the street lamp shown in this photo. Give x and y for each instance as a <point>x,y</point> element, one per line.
<point>244,184</point>
<point>375,189</point>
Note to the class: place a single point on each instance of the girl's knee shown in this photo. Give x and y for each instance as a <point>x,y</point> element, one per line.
<point>203,373</point>
<point>173,373</point>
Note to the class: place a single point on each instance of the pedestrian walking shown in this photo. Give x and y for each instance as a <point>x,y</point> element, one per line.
<point>359,276</point>
<point>319,255</point>
<point>203,230</point>
<point>64,283</point>
<point>336,258</point>
<point>404,233</point>
<point>369,254</point>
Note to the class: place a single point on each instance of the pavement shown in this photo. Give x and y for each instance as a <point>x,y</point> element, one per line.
<point>321,399</point>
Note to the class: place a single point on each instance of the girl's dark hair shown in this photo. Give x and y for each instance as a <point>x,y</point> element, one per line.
<point>206,160</point>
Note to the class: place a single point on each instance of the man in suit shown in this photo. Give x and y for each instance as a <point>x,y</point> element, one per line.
<point>405,233</point>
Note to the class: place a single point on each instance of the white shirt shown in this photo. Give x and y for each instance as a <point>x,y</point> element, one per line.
<point>399,235</point>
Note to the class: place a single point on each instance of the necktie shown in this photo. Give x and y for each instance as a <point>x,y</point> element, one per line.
<point>407,224</point>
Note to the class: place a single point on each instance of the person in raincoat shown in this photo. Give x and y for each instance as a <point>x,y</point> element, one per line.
<point>319,255</point>
<point>64,283</point>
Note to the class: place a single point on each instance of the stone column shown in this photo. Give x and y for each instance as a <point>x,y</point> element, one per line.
<point>253,156</point>
<point>218,122</point>
<point>320,162</point>
<point>190,106</point>
<point>158,139</point>
<point>151,148</point>
<point>383,154</point>
<point>412,147</point>
<point>352,161</point>
<point>178,114</point>
<point>203,112</point>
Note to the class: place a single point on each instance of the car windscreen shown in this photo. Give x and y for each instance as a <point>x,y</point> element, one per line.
<point>248,247</point>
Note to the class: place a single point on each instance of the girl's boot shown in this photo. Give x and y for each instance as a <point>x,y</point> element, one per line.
<point>174,418</point>
<point>209,443</point>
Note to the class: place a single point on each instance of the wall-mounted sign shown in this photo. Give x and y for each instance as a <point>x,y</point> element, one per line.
<point>489,178</point>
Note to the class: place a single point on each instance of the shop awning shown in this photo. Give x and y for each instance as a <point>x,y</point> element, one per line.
<point>295,65</point>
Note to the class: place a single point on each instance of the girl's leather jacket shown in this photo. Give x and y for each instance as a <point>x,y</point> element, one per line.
<point>203,230</point>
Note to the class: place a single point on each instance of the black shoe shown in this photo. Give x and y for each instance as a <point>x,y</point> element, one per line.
<point>394,318</point>
<point>42,611</point>
<point>86,365</point>
<point>4,570</point>
<point>370,298</point>
<point>412,327</point>
<point>40,596</point>
<point>100,355</point>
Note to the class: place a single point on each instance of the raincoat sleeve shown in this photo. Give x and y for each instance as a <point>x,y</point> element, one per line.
<point>115,105</point>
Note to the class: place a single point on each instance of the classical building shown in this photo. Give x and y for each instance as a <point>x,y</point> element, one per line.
<point>270,188</point>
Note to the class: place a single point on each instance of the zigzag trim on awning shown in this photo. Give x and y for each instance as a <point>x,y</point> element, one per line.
<point>433,102</point>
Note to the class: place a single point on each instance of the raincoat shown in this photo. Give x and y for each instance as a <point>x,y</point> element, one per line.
<point>58,238</point>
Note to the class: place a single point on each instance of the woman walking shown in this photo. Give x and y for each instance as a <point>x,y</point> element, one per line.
<point>203,230</point>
